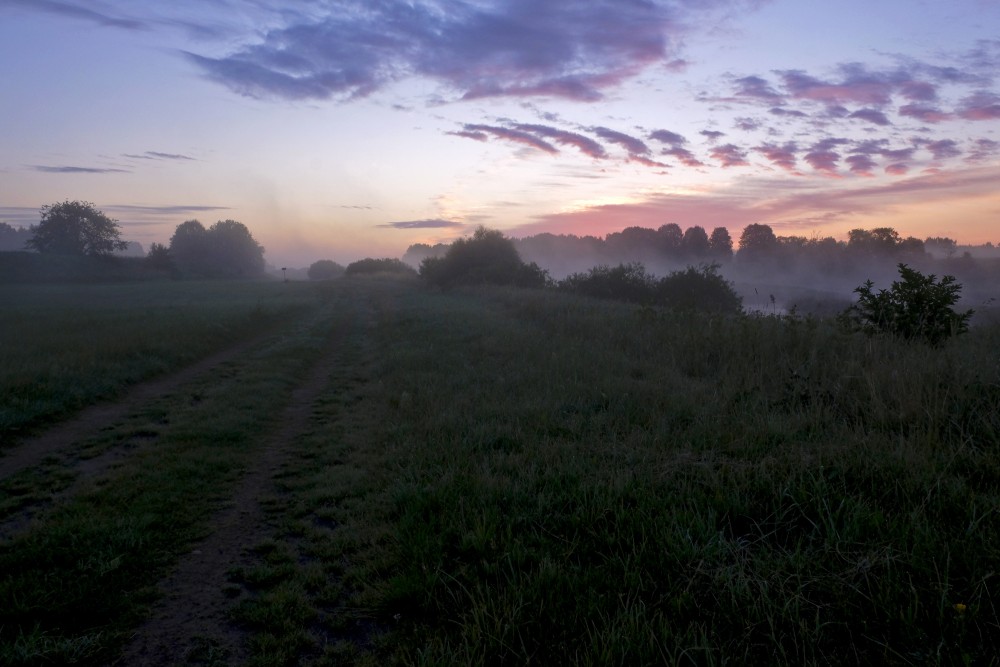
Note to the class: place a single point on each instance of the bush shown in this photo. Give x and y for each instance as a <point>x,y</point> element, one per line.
<point>325,269</point>
<point>702,289</point>
<point>915,307</point>
<point>625,282</point>
<point>388,265</point>
<point>487,257</point>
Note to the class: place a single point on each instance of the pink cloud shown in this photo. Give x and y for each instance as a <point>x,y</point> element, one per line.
<point>781,156</point>
<point>667,137</point>
<point>927,114</point>
<point>944,148</point>
<point>685,156</point>
<point>860,164</point>
<point>981,106</point>
<point>897,169</point>
<point>862,91</point>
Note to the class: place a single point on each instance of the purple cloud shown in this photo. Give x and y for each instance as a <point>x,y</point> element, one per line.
<point>756,88</point>
<point>860,164</point>
<point>631,144</point>
<point>944,148</point>
<point>667,137</point>
<point>685,156</point>
<point>823,157</point>
<point>747,124</point>
<point>712,135</point>
<point>490,48</point>
<point>730,155</point>
<point>781,156</point>
<point>70,10</point>
<point>156,155</point>
<point>584,144</point>
<point>926,114</point>
<point>517,136</point>
<point>984,150</point>
<point>76,170</point>
<point>787,113</point>
<point>981,105</point>
<point>872,116</point>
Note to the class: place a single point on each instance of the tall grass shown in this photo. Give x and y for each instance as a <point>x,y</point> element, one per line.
<point>540,479</point>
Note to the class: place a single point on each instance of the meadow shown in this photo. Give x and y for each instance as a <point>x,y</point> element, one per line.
<point>509,477</point>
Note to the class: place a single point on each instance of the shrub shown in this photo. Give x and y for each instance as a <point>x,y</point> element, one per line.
<point>915,307</point>
<point>625,282</point>
<point>702,289</point>
<point>389,265</point>
<point>324,269</point>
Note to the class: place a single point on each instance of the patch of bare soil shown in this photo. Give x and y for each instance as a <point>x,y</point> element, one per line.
<point>61,440</point>
<point>191,620</point>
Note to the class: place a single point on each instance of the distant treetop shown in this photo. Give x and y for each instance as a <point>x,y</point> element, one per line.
<point>75,228</point>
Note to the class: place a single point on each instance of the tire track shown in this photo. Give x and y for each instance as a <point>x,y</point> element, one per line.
<point>195,607</point>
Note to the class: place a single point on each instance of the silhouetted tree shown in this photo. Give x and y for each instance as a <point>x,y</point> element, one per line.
<point>757,241</point>
<point>880,242</point>
<point>487,257</point>
<point>700,289</point>
<point>695,242</point>
<point>386,265</point>
<point>669,238</point>
<point>75,228</point>
<point>189,248</point>
<point>720,244</point>
<point>227,249</point>
<point>325,269</point>
<point>233,251</point>
<point>941,245</point>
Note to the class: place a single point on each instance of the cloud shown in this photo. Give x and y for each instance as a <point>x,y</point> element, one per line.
<point>166,210</point>
<point>984,149</point>
<point>781,156</point>
<point>631,144</point>
<point>872,116</point>
<point>944,148</point>
<point>897,169</point>
<point>982,105</point>
<point>488,48</point>
<point>924,113</point>
<point>790,113</point>
<point>712,135</point>
<point>730,155</point>
<point>517,136</point>
<point>667,137</point>
<point>156,155</point>
<point>76,170</point>
<point>685,156</point>
<point>436,223</point>
<point>822,156</point>
<point>584,144</point>
<point>747,124</point>
<point>71,10</point>
<point>756,88</point>
<point>860,164</point>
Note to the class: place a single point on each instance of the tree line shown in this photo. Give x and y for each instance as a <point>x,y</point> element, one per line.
<point>225,249</point>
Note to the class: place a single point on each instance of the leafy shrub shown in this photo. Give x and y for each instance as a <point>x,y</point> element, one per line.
<point>388,265</point>
<point>625,282</point>
<point>915,307</point>
<point>487,257</point>
<point>324,269</point>
<point>702,289</point>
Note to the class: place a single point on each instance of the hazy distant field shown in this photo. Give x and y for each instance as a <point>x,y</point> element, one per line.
<point>500,477</point>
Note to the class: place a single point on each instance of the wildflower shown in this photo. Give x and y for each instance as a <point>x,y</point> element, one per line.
<point>960,608</point>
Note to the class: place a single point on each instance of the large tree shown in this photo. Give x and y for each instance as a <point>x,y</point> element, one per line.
<point>75,228</point>
<point>227,249</point>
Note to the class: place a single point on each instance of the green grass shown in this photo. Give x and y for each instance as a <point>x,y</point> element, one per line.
<point>63,347</point>
<point>500,477</point>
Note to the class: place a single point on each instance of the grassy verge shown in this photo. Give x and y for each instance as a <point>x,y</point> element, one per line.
<point>519,477</point>
<point>81,576</point>
<point>66,346</point>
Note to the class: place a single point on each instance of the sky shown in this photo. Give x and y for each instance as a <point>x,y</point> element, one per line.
<point>340,129</point>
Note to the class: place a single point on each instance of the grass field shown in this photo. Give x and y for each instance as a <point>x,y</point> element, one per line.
<point>500,477</point>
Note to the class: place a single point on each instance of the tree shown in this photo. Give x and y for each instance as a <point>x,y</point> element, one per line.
<point>720,244</point>
<point>75,228</point>
<point>227,249</point>
<point>757,241</point>
<point>695,242</point>
<point>189,247</point>
<point>669,238</point>
<point>487,257</point>
<point>915,307</point>
<point>881,241</point>
<point>233,251</point>
<point>325,269</point>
